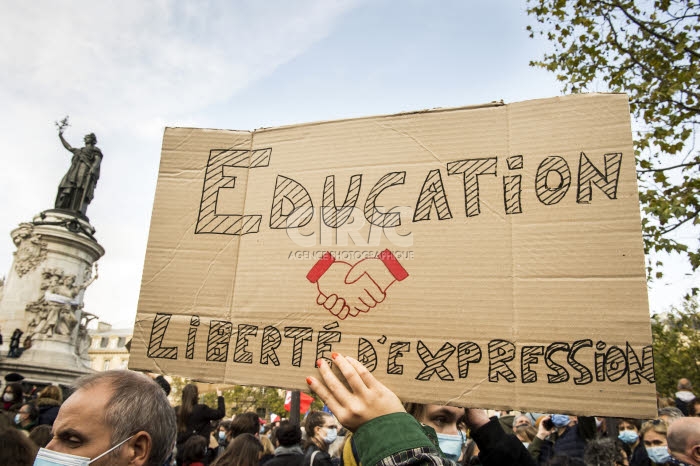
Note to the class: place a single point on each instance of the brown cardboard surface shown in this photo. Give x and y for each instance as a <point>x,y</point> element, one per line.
<point>519,285</point>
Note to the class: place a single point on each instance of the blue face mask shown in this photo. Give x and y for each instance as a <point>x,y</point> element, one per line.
<point>628,436</point>
<point>658,455</point>
<point>53,458</point>
<point>560,420</point>
<point>331,435</point>
<point>451,445</point>
<point>222,435</point>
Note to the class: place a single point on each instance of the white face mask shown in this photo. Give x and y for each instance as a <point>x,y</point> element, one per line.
<point>8,397</point>
<point>53,458</point>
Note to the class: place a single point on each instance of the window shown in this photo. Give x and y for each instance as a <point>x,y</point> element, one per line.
<point>105,367</point>
<point>120,342</point>
<point>104,342</point>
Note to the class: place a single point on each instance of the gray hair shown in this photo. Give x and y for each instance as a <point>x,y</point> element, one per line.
<point>670,411</point>
<point>602,452</point>
<point>137,404</point>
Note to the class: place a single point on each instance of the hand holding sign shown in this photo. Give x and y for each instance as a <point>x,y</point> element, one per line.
<point>347,290</point>
<point>363,398</point>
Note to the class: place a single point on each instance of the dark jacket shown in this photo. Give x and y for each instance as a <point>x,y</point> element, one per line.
<point>571,443</point>
<point>48,410</point>
<point>200,419</point>
<point>199,423</point>
<point>639,456</point>
<point>498,448</point>
<point>287,456</point>
<point>320,459</point>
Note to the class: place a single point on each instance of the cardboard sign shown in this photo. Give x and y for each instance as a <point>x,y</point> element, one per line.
<point>484,256</point>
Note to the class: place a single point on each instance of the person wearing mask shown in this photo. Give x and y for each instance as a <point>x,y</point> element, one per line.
<point>222,436</point>
<point>385,433</point>
<point>194,418</point>
<point>559,435</point>
<point>653,437</point>
<point>115,418</point>
<point>12,397</point>
<point>26,418</point>
<point>628,433</point>
<point>321,431</point>
<point>445,421</point>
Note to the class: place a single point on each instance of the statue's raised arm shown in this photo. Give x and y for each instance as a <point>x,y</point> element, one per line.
<point>64,142</point>
<point>77,188</point>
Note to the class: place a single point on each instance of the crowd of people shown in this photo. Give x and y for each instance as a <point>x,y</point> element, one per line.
<point>125,418</point>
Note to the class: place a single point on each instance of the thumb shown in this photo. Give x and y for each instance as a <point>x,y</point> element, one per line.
<point>356,272</point>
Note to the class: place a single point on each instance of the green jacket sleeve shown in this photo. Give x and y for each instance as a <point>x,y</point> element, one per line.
<point>388,435</point>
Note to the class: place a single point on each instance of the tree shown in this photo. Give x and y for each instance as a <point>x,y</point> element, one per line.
<point>650,50</point>
<point>241,399</point>
<point>676,342</point>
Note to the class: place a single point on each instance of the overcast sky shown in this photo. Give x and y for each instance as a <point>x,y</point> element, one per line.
<point>126,69</point>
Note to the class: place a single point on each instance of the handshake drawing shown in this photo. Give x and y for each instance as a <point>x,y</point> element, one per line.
<point>346,289</point>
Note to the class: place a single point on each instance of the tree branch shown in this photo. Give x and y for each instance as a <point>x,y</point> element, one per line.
<point>668,168</point>
<point>642,25</point>
<point>673,227</point>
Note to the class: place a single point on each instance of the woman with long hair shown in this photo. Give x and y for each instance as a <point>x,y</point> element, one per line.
<point>194,418</point>
<point>321,431</point>
<point>244,450</point>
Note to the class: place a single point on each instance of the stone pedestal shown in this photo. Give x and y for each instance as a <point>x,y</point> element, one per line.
<point>55,243</point>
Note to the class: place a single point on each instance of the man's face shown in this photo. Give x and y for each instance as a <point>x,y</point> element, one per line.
<point>521,421</point>
<point>80,427</point>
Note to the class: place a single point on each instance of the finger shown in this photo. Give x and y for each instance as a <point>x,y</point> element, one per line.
<point>344,311</point>
<point>322,391</point>
<point>337,307</point>
<point>354,312</point>
<point>350,373</point>
<point>369,380</point>
<point>334,385</point>
<point>320,299</point>
<point>330,302</point>
<point>373,290</point>
<point>356,272</point>
<point>368,303</point>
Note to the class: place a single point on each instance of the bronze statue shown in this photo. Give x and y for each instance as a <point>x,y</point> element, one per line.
<point>77,188</point>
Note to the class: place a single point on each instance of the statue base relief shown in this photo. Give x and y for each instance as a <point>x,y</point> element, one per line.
<point>42,319</point>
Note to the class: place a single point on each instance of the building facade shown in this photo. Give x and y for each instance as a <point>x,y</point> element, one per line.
<point>108,349</point>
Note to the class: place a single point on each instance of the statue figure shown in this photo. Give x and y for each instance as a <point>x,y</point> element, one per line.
<point>83,337</point>
<point>77,188</point>
<point>55,313</point>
